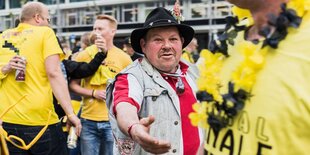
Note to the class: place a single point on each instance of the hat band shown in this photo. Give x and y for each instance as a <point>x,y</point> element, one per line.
<point>162,21</point>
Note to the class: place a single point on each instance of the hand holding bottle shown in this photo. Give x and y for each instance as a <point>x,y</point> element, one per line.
<point>16,63</point>
<point>72,138</point>
<point>20,73</point>
<point>100,42</point>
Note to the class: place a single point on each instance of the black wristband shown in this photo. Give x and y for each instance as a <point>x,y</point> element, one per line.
<point>92,93</point>
<point>102,54</point>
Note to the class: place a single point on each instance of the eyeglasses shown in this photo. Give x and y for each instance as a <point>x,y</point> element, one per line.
<point>47,19</point>
<point>18,142</point>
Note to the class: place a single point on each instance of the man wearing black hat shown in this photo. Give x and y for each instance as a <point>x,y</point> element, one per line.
<point>130,51</point>
<point>150,100</point>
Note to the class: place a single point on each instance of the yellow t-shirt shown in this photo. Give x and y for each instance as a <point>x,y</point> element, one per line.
<point>35,44</point>
<point>275,121</point>
<point>2,76</point>
<point>115,61</point>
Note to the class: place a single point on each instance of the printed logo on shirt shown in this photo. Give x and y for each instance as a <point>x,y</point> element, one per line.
<point>232,142</point>
<point>13,40</point>
<point>10,46</point>
<point>125,146</point>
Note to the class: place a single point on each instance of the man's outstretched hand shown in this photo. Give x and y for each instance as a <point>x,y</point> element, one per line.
<point>140,134</point>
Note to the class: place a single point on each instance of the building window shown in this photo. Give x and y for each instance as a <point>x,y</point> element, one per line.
<point>2,28</point>
<point>49,2</point>
<point>196,1</point>
<point>15,4</point>
<point>2,4</point>
<point>78,0</point>
<point>221,9</point>
<point>54,21</point>
<point>8,23</point>
<point>72,19</point>
<point>129,13</point>
<point>88,18</point>
<point>108,10</point>
<point>149,6</point>
<point>206,10</point>
<point>112,11</point>
<point>198,11</point>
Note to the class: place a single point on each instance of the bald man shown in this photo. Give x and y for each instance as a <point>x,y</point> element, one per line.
<point>29,112</point>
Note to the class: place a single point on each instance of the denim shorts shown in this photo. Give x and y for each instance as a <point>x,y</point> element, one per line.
<point>52,142</point>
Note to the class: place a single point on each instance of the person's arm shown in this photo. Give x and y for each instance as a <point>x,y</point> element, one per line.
<point>138,130</point>
<point>60,89</point>
<point>126,108</point>
<point>77,88</point>
<point>78,70</point>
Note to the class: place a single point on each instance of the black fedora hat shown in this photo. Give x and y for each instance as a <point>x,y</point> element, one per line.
<point>160,17</point>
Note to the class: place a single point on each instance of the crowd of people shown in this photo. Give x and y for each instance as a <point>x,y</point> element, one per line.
<point>247,94</point>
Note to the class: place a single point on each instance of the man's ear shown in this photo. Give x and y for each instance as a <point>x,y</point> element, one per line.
<point>182,39</point>
<point>113,31</point>
<point>37,18</point>
<point>142,44</point>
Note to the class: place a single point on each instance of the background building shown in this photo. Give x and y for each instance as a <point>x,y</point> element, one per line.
<point>71,18</point>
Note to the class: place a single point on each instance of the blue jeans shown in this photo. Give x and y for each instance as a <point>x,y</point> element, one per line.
<point>96,138</point>
<point>52,142</point>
